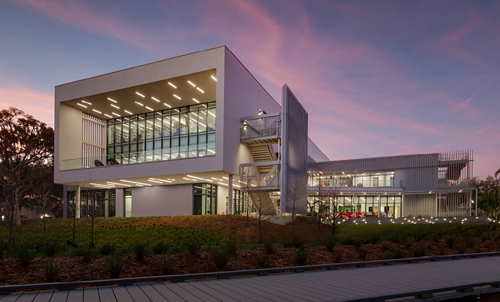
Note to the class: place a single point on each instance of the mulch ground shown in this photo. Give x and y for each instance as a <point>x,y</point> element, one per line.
<point>74,269</point>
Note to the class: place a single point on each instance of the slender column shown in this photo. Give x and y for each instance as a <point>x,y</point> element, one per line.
<point>378,213</point>
<point>403,205</point>
<point>77,202</point>
<point>439,204</point>
<point>230,195</point>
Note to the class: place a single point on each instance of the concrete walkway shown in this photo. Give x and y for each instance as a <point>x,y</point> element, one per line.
<point>335,285</point>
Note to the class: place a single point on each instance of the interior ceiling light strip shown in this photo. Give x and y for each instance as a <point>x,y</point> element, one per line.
<point>155,99</point>
<point>128,112</point>
<point>215,79</point>
<point>108,115</point>
<point>196,100</point>
<point>200,89</point>
<point>167,105</point>
<point>140,104</point>
<point>97,111</point>
<point>175,95</point>
<point>190,179</point>
<point>149,108</point>
<point>192,84</point>
<point>112,100</point>
<point>81,105</point>
<point>86,102</point>
<point>116,114</point>
<point>172,85</point>
<point>113,105</point>
<point>140,94</point>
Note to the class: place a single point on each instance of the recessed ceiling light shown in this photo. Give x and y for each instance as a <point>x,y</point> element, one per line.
<point>128,112</point>
<point>112,100</point>
<point>196,100</point>
<point>140,104</point>
<point>172,85</point>
<point>112,105</point>
<point>108,115</point>
<point>115,114</point>
<point>177,96</point>
<point>81,105</point>
<point>155,99</point>
<point>214,78</point>
<point>167,105</point>
<point>191,83</point>
<point>200,89</point>
<point>140,94</point>
<point>97,111</point>
<point>86,102</point>
<point>150,108</point>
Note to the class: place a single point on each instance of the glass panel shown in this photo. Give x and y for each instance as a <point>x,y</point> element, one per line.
<point>133,129</point>
<point>141,127</point>
<point>111,132</point>
<point>166,123</point>
<point>211,119</point>
<point>126,129</point>
<point>157,126</point>
<point>118,133</point>
<point>175,122</point>
<point>202,119</point>
<point>183,123</point>
<point>149,126</point>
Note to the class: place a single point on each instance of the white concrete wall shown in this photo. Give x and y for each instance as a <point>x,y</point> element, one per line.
<point>162,200</point>
<point>222,192</point>
<point>120,203</point>
<point>422,204</point>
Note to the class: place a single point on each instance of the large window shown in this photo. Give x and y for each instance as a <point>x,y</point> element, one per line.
<point>204,199</point>
<point>94,202</point>
<point>239,202</point>
<point>162,135</point>
<point>356,179</point>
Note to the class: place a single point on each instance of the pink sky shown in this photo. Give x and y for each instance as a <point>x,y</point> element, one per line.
<point>377,78</point>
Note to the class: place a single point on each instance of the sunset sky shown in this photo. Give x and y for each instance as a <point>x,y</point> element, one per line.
<point>377,77</point>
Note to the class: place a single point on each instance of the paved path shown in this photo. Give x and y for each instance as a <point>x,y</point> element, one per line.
<point>335,285</point>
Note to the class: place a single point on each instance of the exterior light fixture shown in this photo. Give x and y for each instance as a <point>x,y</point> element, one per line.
<point>112,100</point>
<point>172,85</point>
<point>149,108</point>
<point>140,104</point>
<point>196,100</point>
<point>191,83</point>
<point>215,79</point>
<point>200,90</point>
<point>112,105</point>
<point>128,112</point>
<point>167,105</point>
<point>116,114</point>
<point>81,105</point>
<point>155,99</point>
<point>175,95</point>
<point>86,102</point>
<point>140,94</point>
<point>97,111</point>
<point>108,115</point>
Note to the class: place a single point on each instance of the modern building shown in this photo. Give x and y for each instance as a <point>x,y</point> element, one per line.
<point>198,135</point>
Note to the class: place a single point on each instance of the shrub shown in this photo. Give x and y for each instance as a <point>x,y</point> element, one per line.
<point>114,265</point>
<point>330,243</point>
<point>24,254</point>
<point>419,250</point>
<point>161,248</point>
<point>397,253</point>
<point>4,247</point>
<point>167,265</point>
<point>262,260</point>
<point>337,254</point>
<point>50,250</point>
<point>86,252</point>
<point>450,240</point>
<point>139,251</point>
<point>386,245</point>
<point>193,248</point>
<point>231,247</point>
<point>461,249</point>
<point>107,249</point>
<point>220,257</point>
<point>269,248</point>
<point>362,252</point>
<point>301,256</point>
<point>442,250</point>
<point>374,239</point>
<point>485,236</point>
<point>51,270</point>
<point>295,243</point>
<point>470,242</point>
<point>352,241</point>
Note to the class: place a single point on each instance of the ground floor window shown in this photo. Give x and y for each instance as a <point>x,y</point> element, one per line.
<point>93,202</point>
<point>239,202</point>
<point>204,199</point>
<point>368,206</point>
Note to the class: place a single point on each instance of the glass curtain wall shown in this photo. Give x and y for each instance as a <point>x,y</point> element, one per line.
<point>390,206</point>
<point>239,202</point>
<point>162,135</point>
<point>104,202</point>
<point>370,180</point>
<point>204,199</point>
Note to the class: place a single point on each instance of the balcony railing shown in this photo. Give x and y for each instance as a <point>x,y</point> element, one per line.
<point>260,127</point>
<point>261,181</point>
<point>138,157</point>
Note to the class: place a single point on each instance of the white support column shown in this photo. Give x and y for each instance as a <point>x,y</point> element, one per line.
<point>77,201</point>
<point>439,204</point>
<point>403,205</point>
<point>378,213</point>
<point>230,195</point>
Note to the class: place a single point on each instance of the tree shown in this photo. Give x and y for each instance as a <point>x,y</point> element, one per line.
<point>27,143</point>
<point>497,172</point>
<point>294,195</point>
